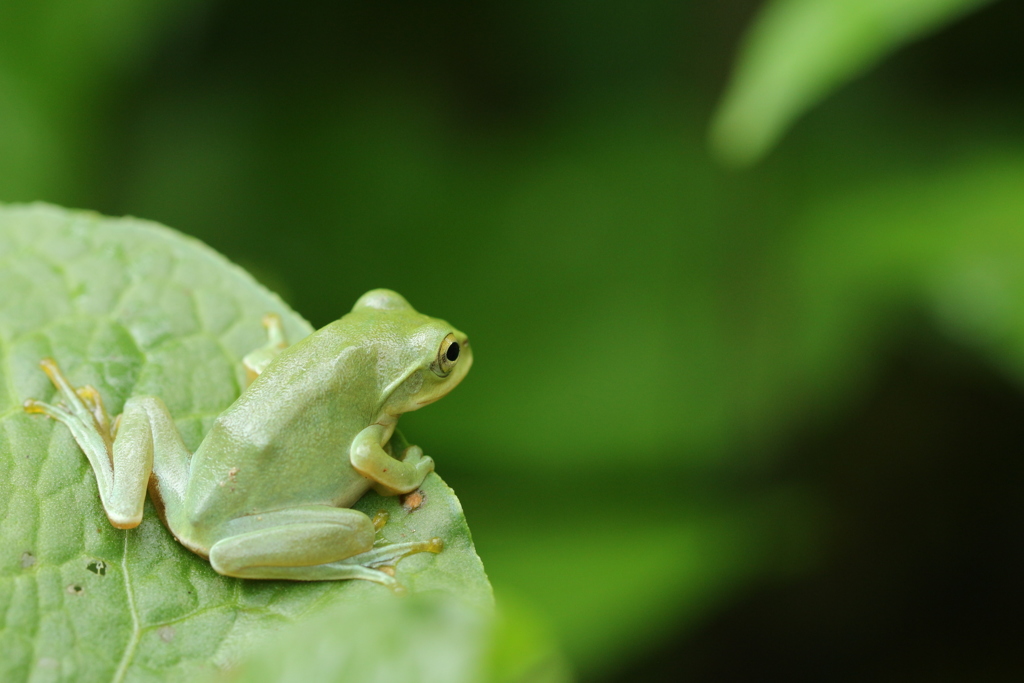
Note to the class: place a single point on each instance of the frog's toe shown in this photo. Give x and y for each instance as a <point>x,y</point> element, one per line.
<point>57,412</point>
<point>380,519</point>
<point>34,407</point>
<point>90,397</point>
<point>94,403</point>
<point>272,323</point>
<point>61,382</point>
<point>387,556</point>
<point>53,371</point>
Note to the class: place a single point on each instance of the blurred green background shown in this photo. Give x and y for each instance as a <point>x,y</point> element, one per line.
<point>741,408</point>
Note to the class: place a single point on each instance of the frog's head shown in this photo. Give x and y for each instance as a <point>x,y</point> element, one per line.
<point>419,358</point>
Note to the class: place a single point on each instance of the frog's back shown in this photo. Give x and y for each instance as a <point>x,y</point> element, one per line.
<point>285,441</point>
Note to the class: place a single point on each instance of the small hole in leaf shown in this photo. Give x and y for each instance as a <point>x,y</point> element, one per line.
<point>97,567</point>
<point>75,589</point>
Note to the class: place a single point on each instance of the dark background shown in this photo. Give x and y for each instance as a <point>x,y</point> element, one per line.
<point>724,424</point>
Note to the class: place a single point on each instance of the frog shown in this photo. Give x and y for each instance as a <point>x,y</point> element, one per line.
<point>268,493</point>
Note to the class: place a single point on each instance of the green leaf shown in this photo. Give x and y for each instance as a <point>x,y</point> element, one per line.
<point>798,50</point>
<point>425,639</point>
<point>134,308</point>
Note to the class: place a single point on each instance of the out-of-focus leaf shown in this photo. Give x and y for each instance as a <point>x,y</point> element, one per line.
<point>427,638</point>
<point>798,50</point>
<point>524,648</point>
<point>57,61</point>
<point>614,581</point>
<point>133,308</point>
<point>949,242</point>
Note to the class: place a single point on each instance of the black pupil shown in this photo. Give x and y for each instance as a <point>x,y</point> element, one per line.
<point>452,354</point>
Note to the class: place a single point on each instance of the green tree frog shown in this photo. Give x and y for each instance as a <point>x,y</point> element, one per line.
<point>267,494</point>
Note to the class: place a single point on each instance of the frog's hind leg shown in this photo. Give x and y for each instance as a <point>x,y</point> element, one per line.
<point>122,465</point>
<point>146,425</point>
<point>256,361</point>
<point>314,543</point>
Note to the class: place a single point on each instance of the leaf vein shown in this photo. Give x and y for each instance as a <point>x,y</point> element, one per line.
<point>133,641</point>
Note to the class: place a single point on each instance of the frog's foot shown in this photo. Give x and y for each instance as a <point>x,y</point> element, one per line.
<point>81,408</point>
<point>147,429</point>
<point>82,411</point>
<point>256,361</point>
<point>379,564</point>
<point>383,557</point>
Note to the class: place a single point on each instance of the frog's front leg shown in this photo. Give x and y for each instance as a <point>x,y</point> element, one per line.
<point>257,361</point>
<point>310,543</point>
<point>122,462</point>
<point>390,477</point>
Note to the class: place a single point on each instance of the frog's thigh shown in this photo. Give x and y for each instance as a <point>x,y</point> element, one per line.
<point>147,441</point>
<point>147,430</point>
<point>290,543</point>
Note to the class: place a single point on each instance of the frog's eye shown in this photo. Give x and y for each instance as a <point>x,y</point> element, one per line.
<point>447,355</point>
